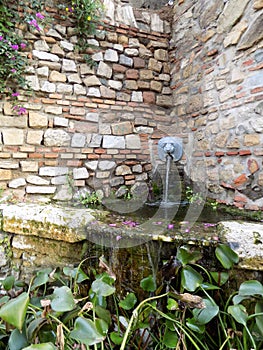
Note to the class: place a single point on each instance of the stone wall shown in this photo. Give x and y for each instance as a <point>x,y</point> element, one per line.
<point>87,125</point>
<point>217,82</point>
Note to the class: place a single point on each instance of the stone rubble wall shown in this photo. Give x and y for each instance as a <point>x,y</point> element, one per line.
<point>217,81</point>
<point>88,125</point>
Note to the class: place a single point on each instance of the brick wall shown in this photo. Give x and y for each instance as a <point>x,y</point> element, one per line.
<point>217,82</point>
<point>86,126</point>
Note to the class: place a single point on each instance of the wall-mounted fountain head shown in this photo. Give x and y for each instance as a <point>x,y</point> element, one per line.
<point>170,146</point>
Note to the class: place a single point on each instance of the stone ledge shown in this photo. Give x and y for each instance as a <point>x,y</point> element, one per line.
<point>46,221</point>
<point>246,238</point>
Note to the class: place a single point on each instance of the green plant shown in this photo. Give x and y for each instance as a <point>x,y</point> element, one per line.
<point>73,309</point>
<point>193,197</point>
<point>90,199</point>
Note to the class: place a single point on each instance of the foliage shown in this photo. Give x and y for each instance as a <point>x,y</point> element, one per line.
<point>90,199</point>
<point>77,309</point>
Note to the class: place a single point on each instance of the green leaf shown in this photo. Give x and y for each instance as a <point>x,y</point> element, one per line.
<point>34,327</point>
<point>102,288</point>
<point>101,326</point>
<point>209,286</point>
<point>43,346</point>
<point>186,256</point>
<point>116,338</point>
<point>226,256</point>
<point>251,288</point>
<point>190,278</point>
<point>103,313</point>
<point>148,284</point>
<point>172,304</point>
<point>17,340</point>
<point>62,299</point>
<point>41,278</point>
<point>192,324</point>
<point>128,302</point>
<point>86,332</point>
<point>220,277</point>
<point>76,272</point>
<point>170,339</point>
<point>247,290</point>
<point>259,318</point>
<point>8,282</point>
<point>14,311</point>
<point>203,316</point>
<point>239,313</point>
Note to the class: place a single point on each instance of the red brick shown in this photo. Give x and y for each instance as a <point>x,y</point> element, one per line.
<point>132,74</point>
<point>239,198</point>
<point>93,156</point>
<point>248,62</point>
<point>74,163</point>
<point>148,97</point>
<point>100,151</point>
<point>219,154</point>
<point>118,68</point>
<point>246,152</point>
<point>256,90</point>
<point>232,153</point>
<point>226,185</point>
<point>240,180</point>
<point>51,155</point>
<point>239,205</point>
<point>252,165</point>
<point>35,155</point>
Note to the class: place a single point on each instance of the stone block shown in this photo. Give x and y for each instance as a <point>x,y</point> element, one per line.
<point>56,76</point>
<point>13,122</point>
<point>251,139</point>
<point>78,140</point>
<point>37,180</point>
<point>161,55</point>
<point>110,141</point>
<point>111,55</point>
<point>12,137</point>
<point>5,174</point>
<point>133,142</point>
<point>136,96</point>
<point>41,189</point>
<point>37,120</point>
<point>34,137</point>
<point>58,138</point>
<point>104,70</point>
<point>80,173</point>
<point>53,171</point>
<point>29,166</point>
<point>122,128</point>
<point>19,182</point>
<point>155,65</point>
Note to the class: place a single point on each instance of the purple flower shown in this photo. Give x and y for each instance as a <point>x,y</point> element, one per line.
<point>112,225</point>
<point>1,37</point>
<point>209,225</point>
<point>22,45</point>
<point>34,23</point>
<point>15,94</point>
<point>22,110</point>
<point>13,70</point>
<point>158,223</point>
<point>14,46</point>
<point>187,230</point>
<point>118,238</point>
<point>39,15</point>
<point>170,226</point>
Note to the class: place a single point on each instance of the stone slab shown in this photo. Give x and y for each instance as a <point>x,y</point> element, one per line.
<point>246,238</point>
<point>47,221</point>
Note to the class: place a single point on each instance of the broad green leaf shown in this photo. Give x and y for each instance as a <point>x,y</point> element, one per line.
<point>43,346</point>
<point>170,338</point>
<point>128,302</point>
<point>209,286</point>
<point>17,340</point>
<point>259,318</point>
<point>190,278</point>
<point>247,290</point>
<point>148,284</point>
<point>101,326</point>
<point>251,288</point>
<point>75,272</point>
<point>86,332</point>
<point>239,313</point>
<point>103,313</point>
<point>226,256</point>
<point>116,338</point>
<point>172,304</point>
<point>220,277</point>
<point>186,256</point>
<point>62,299</point>
<point>192,324</point>
<point>34,327</point>
<point>102,288</point>
<point>8,282</point>
<point>203,316</point>
<point>14,311</point>
<point>41,278</point>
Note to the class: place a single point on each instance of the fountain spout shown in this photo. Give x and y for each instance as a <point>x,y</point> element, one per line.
<point>170,146</point>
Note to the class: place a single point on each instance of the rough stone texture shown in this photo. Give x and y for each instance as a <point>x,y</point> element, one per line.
<point>51,222</point>
<point>247,240</point>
